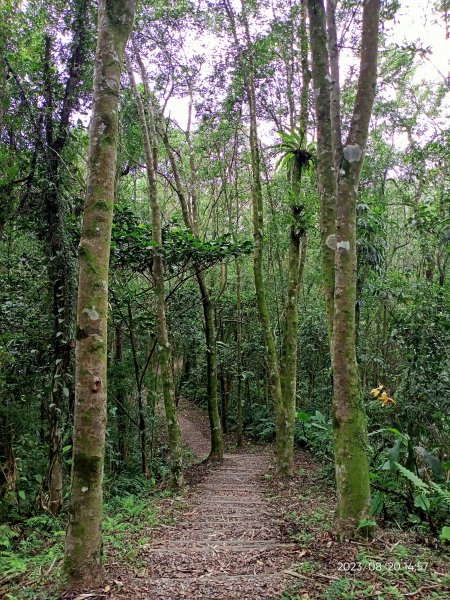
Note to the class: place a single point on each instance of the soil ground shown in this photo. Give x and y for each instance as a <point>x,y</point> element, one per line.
<point>227,543</point>
<point>240,532</point>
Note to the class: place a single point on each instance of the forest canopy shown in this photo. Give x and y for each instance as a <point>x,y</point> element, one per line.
<point>243,206</point>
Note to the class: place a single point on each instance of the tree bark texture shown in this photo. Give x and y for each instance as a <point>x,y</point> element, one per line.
<point>289,358</point>
<point>351,459</point>
<point>296,261</point>
<point>351,443</point>
<point>327,177</point>
<point>164,351</point>
<point>83,541</point>
<point>239,415</point>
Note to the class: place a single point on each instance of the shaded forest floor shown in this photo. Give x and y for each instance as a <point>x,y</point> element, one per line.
<point>245,534</point>
<point>226,543</point>
<point>239,532</point>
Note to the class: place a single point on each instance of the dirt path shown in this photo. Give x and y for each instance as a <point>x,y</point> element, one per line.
<point>228,543</point>
<point>195,427</point>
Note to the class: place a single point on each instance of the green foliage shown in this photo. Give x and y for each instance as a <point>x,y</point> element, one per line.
<point>315,433</point>
<point>295,150</point>
<point>403,474</point>
<point>445,534</point>
<point>260,426</point>
<point>133,247</point>
<point>33,548</point>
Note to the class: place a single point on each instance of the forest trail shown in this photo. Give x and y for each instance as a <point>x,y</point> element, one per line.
<point>227,544</point>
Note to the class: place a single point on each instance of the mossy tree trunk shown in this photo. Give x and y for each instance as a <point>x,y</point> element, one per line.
<point>351,459</point>
<point>282,387</point>
<point>289,358</point>
<point>83,542</point>
<point>191,220</point>
<point>61,266</point>
<point>296,261</point>
<point>352,465</point>
<point>164,351</point>
<point>239,416</point>
<point>326,169</point>
<point>283,422</point>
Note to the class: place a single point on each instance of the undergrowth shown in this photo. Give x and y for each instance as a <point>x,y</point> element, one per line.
<point>31,551</point>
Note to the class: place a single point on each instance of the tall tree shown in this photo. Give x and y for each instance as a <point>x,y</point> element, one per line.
<point>83,541</point>
<point>191,220</point>
<point>61,263</point>
<point>339,189</point>
<point>164,352</point>
<point>282,370</point>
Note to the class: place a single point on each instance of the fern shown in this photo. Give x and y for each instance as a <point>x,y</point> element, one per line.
<point>444,495</point>
<point>416,481</point>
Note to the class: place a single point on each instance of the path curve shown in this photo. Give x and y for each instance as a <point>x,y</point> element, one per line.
<point>228,544</point>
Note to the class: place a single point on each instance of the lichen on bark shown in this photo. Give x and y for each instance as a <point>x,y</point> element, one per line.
<point>339,187</point>
<point>83,541</point>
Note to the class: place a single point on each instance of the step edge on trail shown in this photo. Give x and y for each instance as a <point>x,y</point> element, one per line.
<point>232,542</point>
<point>218,578</point>
<point>227,543</point>
<point>217,546</point>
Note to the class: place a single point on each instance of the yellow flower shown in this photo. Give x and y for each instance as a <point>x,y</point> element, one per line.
<point>385,399</point>
<point>377,391</point>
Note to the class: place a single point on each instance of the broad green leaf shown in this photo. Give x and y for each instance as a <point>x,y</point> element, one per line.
<point>377,503</point>
<point>421,501</point>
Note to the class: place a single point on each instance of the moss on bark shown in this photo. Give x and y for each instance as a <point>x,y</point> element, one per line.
<point>165,355</point>
<point>352,466</point>
<point>83,541</point>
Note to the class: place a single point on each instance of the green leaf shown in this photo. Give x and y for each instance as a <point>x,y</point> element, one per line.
<point>395,431</point>
<point>21,494</point>
<point>444,495</point>
<point>66,449</point>
<point>445,534</point>
<point>412,477</point>
<point>302,416</point>
<point>377,503</point>
<point>367,524</point>
<point>414,519</point>
<point>65,392</point>
<point>421,501</point>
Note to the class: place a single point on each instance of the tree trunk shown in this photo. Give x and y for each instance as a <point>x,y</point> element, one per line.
<point>165,355</point>
<point>297,253</point>
<point>239,417</point>
<point>141,400</point>
<point>351,443</point>
<point>216,452</point>
<point>284,454</point>
<point>83,541</point>
<point>61,263</point>
<point>190,218</point>
<point>326,170</point>
<point>290,334</point>
<point>351,460</point>
<point>121,399</point>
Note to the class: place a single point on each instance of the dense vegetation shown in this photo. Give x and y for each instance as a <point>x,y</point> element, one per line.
<point>218,141</point>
